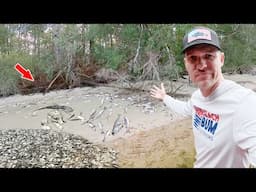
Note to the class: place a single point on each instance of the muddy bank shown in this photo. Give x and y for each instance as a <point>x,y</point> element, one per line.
<point>95,112</point>
<point>169,146</point>
<point>155,137</point>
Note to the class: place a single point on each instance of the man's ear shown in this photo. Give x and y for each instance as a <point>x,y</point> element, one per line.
<point>222,58</point>
<point>185,63</point>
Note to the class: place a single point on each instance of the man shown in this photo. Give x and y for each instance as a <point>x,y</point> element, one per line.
<point>223,112</point>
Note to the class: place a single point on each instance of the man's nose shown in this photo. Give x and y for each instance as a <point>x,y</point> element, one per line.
<point>202,64</point>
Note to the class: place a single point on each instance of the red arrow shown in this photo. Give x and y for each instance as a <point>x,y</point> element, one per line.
<point>25,73</point>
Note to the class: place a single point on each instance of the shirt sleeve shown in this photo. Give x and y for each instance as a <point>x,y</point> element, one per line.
<point>180,107</point>
<point>245,127</point>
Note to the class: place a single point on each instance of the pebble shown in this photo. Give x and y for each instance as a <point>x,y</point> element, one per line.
<point>40,148</point>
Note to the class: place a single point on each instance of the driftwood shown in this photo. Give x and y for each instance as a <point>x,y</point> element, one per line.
<point>49,86</point>
<point>151,68</point>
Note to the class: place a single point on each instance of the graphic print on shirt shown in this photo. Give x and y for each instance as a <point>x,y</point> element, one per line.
<point>205,122</point>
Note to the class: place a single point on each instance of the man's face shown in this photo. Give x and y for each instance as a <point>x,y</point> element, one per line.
<point>203,63</point>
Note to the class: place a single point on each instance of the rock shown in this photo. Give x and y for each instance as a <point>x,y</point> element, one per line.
<point>38,148</point>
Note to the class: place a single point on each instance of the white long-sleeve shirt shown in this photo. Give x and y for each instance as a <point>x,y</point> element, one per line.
<point>224,125</point>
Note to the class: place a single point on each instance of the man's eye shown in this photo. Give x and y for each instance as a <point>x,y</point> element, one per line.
<point>192,59</point>
<point>209,57</point>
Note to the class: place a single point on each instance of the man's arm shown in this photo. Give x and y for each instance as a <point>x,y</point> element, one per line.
<point>245,127</point>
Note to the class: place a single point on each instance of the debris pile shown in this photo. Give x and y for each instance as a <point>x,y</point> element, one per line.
<point>39,148</point>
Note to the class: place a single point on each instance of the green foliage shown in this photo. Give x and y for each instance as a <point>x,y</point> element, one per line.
<point>3,39</point>
<point>109,57</point>
<point>130,33</point>
<point>46,48</point>
<point>99,31</point>
<point>113,44</point>
<point>8,74</point>
<point>45,64</point>
<point>239,46</point>
<point>128,39</point>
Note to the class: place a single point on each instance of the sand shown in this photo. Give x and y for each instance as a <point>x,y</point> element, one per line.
<point>156,137</point>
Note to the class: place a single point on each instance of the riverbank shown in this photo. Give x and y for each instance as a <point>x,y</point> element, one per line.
<point>150,135</point>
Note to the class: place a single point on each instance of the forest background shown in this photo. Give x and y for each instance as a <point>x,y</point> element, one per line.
<point>64,56</point>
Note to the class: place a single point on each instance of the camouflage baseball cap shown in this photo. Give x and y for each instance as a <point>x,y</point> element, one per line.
<point>200,35</point>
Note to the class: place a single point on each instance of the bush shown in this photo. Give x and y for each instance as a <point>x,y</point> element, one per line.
<point>8,75</point>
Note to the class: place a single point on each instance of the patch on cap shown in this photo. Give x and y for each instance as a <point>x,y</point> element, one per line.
<point>199,34</point>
